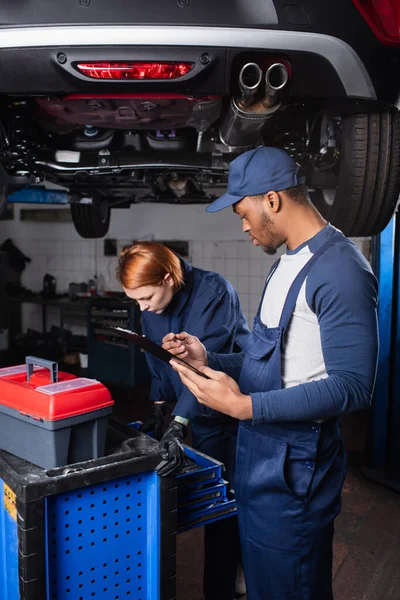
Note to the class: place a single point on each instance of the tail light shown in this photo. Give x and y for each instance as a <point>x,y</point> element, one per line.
<point>134,70</point>
<point>383,16</point>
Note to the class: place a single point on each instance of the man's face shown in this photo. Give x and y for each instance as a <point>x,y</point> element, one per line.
<point>152,298</point>
<point>259,222</point>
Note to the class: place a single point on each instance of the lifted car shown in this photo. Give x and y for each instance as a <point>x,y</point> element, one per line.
<point>149,102</point>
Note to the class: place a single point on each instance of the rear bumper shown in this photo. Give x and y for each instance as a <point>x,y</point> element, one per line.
<point>341,58</point>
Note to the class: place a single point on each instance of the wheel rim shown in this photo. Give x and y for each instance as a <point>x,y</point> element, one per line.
<point>324,197</point>
<point>328,196</point>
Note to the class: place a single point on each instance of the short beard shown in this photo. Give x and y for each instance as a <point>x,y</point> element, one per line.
<point>268,226</point>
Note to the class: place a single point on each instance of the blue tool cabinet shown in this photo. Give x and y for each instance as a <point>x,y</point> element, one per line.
<point>103,529</point>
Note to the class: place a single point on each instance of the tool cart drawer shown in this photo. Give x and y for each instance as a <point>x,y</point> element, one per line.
<point>200,498</point>
<point>203,496</point>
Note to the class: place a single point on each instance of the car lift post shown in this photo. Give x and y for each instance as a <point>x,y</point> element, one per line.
<point>383,255</point>
<point>384,435</point>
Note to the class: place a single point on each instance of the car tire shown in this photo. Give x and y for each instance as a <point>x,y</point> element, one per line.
<point>3,198</point>
<point>91,220</point>
<point>369,175</point>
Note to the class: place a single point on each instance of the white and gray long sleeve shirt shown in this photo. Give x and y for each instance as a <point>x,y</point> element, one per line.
<point>330,348</point>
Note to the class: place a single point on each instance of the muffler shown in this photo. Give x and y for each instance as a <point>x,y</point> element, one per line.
<point>244,120</point>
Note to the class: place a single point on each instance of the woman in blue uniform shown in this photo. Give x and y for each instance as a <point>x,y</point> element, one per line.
<point>174,296</point>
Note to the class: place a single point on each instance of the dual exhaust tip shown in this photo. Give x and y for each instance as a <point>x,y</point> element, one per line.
<point>250,78</point>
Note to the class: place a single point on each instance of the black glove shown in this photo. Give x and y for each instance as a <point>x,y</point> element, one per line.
<point>172,451</point>
<point>156,421</point>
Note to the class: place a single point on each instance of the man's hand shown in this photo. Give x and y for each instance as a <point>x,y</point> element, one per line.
<point>172,451</point>
<point>220,392</point>
<point>188,347</point>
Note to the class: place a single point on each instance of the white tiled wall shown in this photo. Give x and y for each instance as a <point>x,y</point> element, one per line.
<point>245,266</point>
<point>57,249</point>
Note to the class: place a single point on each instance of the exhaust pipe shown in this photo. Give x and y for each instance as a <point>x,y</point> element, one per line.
<point>276,78</point>
<point>245,119</point>
<point>250,77</point>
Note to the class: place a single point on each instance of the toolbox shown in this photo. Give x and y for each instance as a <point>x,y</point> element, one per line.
<point>52,418</point>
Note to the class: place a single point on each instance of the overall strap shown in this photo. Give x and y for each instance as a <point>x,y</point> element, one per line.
<point>271,272</point>
<point>294,289</point>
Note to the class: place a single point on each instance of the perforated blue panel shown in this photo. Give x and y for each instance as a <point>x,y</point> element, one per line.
<point>103,541</point>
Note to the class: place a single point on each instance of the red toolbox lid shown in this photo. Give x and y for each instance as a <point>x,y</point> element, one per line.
<point>41,399</point>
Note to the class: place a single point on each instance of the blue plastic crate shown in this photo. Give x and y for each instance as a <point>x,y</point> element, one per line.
<point>39,195</point>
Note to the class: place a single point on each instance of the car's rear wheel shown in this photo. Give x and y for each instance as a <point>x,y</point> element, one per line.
<point>3,198</point>
<point>91,220</point>
<point>368,185</point>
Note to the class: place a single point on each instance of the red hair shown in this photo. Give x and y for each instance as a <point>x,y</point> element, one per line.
<point>147,263</point>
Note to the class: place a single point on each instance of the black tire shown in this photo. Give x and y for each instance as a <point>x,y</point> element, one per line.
<point>392,190</point>
<point>3,198</point>
<point>369,175</point>
<point>91,220</point>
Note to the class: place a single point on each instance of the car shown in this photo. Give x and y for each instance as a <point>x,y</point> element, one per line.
<point>124,102</point>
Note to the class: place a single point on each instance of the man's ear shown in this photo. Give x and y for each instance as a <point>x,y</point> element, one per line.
<point>273,201</point>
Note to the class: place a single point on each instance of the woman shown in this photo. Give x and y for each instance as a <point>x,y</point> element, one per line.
<point>174,296</point>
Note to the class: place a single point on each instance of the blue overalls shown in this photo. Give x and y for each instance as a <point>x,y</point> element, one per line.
<point>289,477</point>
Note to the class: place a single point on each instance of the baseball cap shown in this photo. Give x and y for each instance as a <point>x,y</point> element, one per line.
<point>258,171</point>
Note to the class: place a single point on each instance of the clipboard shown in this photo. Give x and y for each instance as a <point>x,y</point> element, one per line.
<point>146,344</point>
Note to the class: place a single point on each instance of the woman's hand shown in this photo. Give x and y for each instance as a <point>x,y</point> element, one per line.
<point>188,347</point>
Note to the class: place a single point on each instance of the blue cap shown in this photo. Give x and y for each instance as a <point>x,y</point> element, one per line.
<point>258,171</point>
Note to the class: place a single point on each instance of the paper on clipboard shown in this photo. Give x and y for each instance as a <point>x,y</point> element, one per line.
<point>146,344</point>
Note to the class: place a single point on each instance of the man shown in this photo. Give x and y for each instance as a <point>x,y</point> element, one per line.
<point>311,357</point>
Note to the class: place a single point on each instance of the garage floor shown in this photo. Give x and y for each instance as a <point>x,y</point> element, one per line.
<point>366,550</point>
<point>367,540</point>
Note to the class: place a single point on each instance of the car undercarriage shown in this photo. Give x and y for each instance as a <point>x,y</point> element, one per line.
<point>160,120</point>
